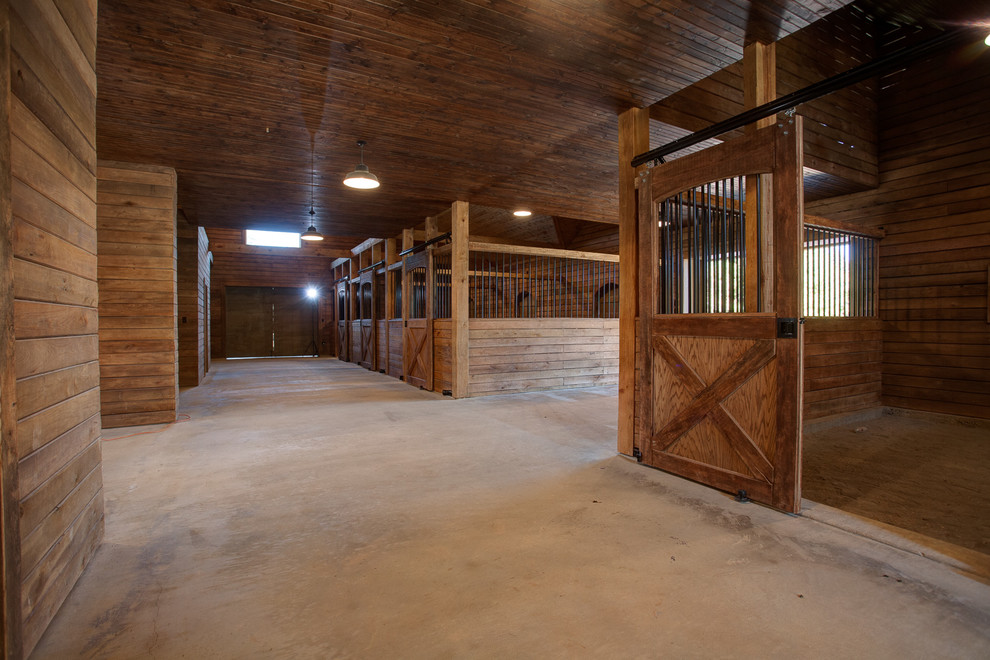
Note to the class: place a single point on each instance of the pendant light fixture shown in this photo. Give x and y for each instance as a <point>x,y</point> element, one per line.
<point>311,234</point>
<point>361,177</point>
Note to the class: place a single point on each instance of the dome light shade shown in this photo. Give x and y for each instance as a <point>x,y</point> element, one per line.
<point>361,178</point>
<point>311,234</point>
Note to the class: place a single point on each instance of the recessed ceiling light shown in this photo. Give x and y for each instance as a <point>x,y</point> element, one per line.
<point>521,213</point>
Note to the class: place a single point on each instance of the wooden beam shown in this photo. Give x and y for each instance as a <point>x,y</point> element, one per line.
<point>460,298</point>
<point>542,252</point>
<point>759,87</point>
<point>634,138</point>
<point>432,227</point>
<point>852,227</point>
<point>10,543</point>
<point>759,79</point>
<point>390,258</point>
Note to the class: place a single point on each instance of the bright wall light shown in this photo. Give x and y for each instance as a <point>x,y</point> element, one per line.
<point>312,292</point>
<point>522,213</point>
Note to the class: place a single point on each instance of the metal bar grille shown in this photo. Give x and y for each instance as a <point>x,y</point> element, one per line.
<point>441,286</point>
<point>417,297</point>
<point>396,276</point>
<point>506,285</point>
<point>838,273</point>
<point>702,260</point>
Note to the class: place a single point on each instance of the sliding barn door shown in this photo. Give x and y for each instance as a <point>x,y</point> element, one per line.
<point>417,333</point>
<point>294,322</point>
<point>719,384</point>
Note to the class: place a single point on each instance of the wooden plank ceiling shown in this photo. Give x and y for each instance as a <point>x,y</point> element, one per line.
<point>501,103</point>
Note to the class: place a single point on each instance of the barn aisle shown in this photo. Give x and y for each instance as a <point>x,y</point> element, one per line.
<point>312,509</point>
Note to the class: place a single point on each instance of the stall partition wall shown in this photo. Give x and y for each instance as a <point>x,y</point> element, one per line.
<point>269,322</point>
<point>539,319</point>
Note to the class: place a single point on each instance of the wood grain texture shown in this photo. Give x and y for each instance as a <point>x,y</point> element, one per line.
<point>10,538</point>
<point>840,356</point>
<point>931,205</point>
<point>841,139</point>
<point>518,355</point>
<point>720,393</point>
<point>127,192</point>
<point>460,300</point>
<point>53,242</point>
<point>634,138</point>
<point>249,99</point>
<point>193,285</point>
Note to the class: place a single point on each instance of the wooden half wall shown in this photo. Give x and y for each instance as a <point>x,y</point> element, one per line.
<point>523,355</point>
<point>52,477</point>
<point>136,222</point>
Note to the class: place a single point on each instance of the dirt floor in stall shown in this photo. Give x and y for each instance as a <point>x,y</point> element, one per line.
<point>924,473</point>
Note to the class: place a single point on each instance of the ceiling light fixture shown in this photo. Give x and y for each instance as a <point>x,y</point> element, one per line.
<point>522,213</point>
<point>311,234</point>
<point>361,177</point>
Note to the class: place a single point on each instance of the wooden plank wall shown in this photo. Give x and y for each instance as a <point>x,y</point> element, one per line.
<point>136,222</point>
<point>355,337</point>
<point>840,131</point>
<point>520,355</point>
<point>395,348</point>
<point>193,290</point>
<point>237,264</point>
<point>442,362</point>
<point>842,365</point>
<point>53,241</point>
<point>382,343</point>
<point>204,261</point>
<point>596,237</point>
<point>934,261</point>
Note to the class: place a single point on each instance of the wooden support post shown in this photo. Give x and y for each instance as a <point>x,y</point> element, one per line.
<point>10,537</point>
<point>634,139</point>
<point>759,87</point>
<point>460,298</point>
<point>390,258</point>
<point>407,239</point>
<point>432,227</point>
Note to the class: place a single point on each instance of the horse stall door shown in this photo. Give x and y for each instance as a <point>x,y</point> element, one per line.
<point>366,346</point>
<point>343,323</point>
<point>719,384</point>
<point>354,334</point>
<point>381,323</point>
<point>417,331</point>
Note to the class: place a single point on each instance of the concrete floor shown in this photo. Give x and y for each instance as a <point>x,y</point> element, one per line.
<point>312,509</point>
